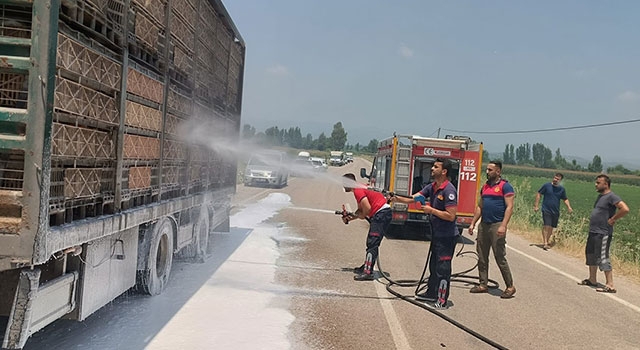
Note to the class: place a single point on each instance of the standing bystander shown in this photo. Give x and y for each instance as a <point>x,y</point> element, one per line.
<point>495,207</point>
<point>607,209</point>
<point>553,193</point>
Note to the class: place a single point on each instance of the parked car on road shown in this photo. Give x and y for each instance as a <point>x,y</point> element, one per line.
<point>319,164</point>
<point>267,168</point>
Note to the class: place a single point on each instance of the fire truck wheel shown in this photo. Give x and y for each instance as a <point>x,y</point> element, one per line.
<point>156,263</point>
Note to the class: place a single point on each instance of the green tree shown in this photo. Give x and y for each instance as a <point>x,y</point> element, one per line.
<point>307,143</point>
<point>575,166</point>
<point>559,160</point>
<point>595,165</point>
<point>508,156</point>
<point>372,147</point>
<point>294,137</point>
<point>248,131</point>
<point>322,142</point>
<point>619,169</point>
<point>485,156</point>
<point>542,156</point>
<point>512,154</point>
<point>273,136</point>
<point>505,155</point>
<point>523,154</point>
<point>338,137</point>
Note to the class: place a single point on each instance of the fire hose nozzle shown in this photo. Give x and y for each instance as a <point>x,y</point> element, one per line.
<point>344,214</point>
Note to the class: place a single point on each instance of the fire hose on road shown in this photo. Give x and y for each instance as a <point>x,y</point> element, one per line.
<point>420,283</point>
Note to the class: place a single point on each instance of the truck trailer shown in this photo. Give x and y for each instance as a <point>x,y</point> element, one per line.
<point>98,190</point>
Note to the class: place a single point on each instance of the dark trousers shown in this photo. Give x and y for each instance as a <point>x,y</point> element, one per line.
<point>377,228</point>
<point>442,249</point>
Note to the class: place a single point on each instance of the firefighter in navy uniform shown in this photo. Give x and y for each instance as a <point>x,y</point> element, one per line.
<point>442,209</point>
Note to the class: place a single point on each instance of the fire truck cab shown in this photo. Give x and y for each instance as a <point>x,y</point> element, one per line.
<point>403,165</point>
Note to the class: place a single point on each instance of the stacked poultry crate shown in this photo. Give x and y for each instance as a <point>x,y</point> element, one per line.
<point>85,122</point>
<point>179,100</point>
<point>214,40</point>
<point>175,77</point>
<point>175,167</point>
<point>144,103</point>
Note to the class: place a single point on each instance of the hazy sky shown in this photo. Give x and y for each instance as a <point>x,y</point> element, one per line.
<point>416,66</point>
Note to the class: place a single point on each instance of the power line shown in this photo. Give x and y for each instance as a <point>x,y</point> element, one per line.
<point>545,130</point>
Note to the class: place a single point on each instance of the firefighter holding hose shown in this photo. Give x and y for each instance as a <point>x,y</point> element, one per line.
<point>442,209</point>
<point>373,207</point>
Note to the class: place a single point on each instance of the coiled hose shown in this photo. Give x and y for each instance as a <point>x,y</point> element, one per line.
<point>421,284</point>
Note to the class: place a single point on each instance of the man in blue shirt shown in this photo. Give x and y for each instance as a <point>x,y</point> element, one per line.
<point>442,209</point>
<point>553,193</point>
<point>495,207</point>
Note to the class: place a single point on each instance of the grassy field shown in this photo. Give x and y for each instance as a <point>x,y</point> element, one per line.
<point>572,230</point>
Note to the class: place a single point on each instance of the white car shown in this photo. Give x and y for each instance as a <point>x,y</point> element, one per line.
<point>267,168</point>
<point>319,164</point>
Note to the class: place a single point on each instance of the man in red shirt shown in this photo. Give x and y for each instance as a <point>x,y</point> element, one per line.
<point>373,207</point>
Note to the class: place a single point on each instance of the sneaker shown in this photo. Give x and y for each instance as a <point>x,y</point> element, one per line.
<point>425,297</point>
<point>364,277</point>
<point>508,293</point>
<point>479,289</point>
<point>359,269</point>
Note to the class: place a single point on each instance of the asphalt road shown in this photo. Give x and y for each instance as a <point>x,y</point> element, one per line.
<point>549,310</point>
<point>281,284</point>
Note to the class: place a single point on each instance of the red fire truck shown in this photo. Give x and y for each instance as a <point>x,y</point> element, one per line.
<point>403,165</point>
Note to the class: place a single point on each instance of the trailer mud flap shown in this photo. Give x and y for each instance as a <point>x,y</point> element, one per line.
<point>36,306</point>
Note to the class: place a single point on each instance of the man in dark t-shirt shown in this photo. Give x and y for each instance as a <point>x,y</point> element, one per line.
<point>553,193</point>
<point>607,209</point>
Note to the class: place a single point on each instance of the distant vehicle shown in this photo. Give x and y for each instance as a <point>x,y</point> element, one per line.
<point>303,155</point>
<point>267,168</point>
<point>319,164</point>
<point>302,167</point>
<point>348,157</point>
<point>337,158</point>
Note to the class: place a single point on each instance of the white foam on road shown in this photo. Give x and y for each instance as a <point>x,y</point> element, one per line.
<point>236,308</point>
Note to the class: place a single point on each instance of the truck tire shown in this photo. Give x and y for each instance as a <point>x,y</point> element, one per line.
<point>224,226</point>
<point>201,236</point>
<point>157,258</point>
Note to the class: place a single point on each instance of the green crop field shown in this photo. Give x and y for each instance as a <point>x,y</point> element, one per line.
<point>582,195</point>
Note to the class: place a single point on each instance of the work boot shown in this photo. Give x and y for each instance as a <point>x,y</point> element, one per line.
<point>437,306</point>
<point>426,297</point>
<point>364,277</point>
<point>359,269</point>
